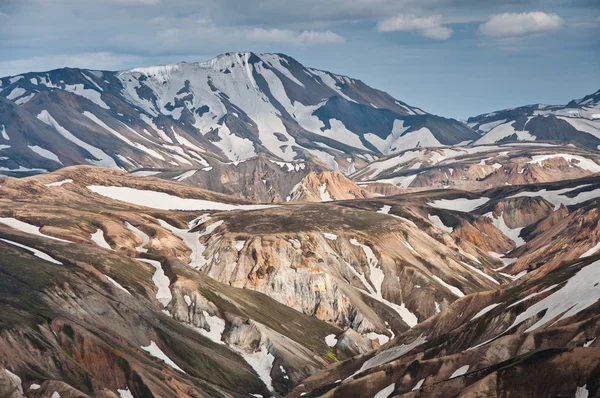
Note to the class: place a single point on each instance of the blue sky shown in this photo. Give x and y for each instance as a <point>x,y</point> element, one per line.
<point>456,58</point>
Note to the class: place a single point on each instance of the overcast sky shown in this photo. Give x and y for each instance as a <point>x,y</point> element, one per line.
<point>456,58</point>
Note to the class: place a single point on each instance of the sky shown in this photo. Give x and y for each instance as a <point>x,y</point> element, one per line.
<point>455,58</point>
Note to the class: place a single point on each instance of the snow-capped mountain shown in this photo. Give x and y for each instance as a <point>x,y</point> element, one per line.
<point>578,122</point>
<point>230,108</point>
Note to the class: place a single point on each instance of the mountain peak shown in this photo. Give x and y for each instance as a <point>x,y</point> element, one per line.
<point>232,107</point>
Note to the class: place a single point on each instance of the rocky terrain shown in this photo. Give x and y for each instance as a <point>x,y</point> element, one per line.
<point>577,122</point>
<point>533,337</point>
<point>265,180</point>
<point>249,226</point>
<point>151,286</point>
<point>477,167</point>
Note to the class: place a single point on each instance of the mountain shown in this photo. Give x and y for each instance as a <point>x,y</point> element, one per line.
<point>216,296</point>
<point>577,122</point>
<point>117,283</point>
<point>478,167</point>
<point>197,115</point>
<point>536,336</point>
<point>248,226</point>
<point>262,179</point>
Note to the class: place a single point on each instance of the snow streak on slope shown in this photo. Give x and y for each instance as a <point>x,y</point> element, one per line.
<point>103,160</point>
<point>581,291</point>
<point>391,354</point>
<point>27,228</point>
<point>156,352</point>
<point>460,204</point>
<point>162,282</point>
<point>558,197</point>
<point>165,201</point>
<point>141,234</point>
<point>35,252</point>
<point>377,276</point>
<point>511,233</point>
<point>98,238</point>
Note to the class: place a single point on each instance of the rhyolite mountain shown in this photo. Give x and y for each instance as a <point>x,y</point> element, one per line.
<point>427,271</point>
<point>229,109</point>
<point>114,284</point>
<point>577,122</point>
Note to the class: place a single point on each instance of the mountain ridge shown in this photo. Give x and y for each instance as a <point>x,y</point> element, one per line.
<point>231,108</point>
<point>578,121</point>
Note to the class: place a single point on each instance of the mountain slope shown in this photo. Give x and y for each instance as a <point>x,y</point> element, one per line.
<point>537,336</point>
<point>578,122</point>
<point>230,108</point>
<point>477,167</point>
<point>138,283</point>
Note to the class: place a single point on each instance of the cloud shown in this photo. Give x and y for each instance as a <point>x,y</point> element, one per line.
<point>430,27</point>
<point>510,25</point>
<point>286,36</point>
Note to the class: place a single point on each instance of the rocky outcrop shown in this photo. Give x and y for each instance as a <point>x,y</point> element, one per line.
<point>477,168</point>
<point>481,346</point>
<point>324,187</point>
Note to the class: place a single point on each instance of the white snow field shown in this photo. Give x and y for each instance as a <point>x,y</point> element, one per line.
<point>460,204</point>
<point>27,228</point>
<point>165,201</point>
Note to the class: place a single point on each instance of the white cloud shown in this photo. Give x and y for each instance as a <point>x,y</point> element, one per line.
<point>430,27</point>
<point>305,37</point>
<point>509,25</point>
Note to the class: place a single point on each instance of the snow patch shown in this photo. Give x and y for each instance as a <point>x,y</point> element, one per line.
<point>485,311</point>
<point>453,289</point>
<point>262,363</point>
<point>460,204</point>
<point>141,234</point>
<point>59,183</point>
<point>329,236</point>
<point>418,385</point>
<point>459,372</point>
<point>558,198</point>
<point>435,220</point>
<point>98,238</point>
<point>185,175</point>
<point>27,228</point>
<point>4,133</point>
<point>511,233</point>
<point>161,281</point>
<point>125,393</point>
<point>386,392</point>
<point>591,251</point>
<point>15,379</point>
<point>35,252</point>
<point>391,354</point>
<point>331,340</point>
<point>385,209</point>
<point>165,201</point>
<point>582,392</point>
<point>156,352</point>
<point>216,326</point>
<point>44,153</point>
<point>114,282</point>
